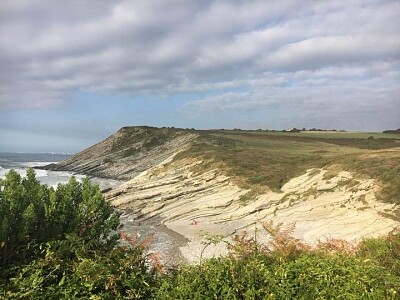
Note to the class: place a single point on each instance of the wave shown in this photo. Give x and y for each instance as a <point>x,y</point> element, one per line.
<point>22,172</point>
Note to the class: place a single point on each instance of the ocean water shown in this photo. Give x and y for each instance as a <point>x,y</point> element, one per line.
<point>20,162</point>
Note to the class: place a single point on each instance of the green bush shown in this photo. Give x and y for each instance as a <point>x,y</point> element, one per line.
<point>286,268</point>
<point>32,214</point>
<point>309,276</point>
<point>383,250</point>
<point>120,273</point>
<point>59,244</point>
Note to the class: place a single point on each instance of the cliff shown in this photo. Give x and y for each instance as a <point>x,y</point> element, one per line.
<point>126,153</point>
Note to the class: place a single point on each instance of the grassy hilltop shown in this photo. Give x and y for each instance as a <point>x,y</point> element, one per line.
<point>265,159</point>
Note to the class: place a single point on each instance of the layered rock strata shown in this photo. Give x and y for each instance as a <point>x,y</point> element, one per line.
<point>195,203</point>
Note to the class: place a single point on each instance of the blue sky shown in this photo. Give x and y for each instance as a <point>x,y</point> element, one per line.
<point>74,72</point>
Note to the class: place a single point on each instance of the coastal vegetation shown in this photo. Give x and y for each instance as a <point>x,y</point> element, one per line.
<point>62,244</point>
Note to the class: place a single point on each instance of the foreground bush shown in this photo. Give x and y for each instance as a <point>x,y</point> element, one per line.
<point>32,214</point>
<point>121,273</point>
<point>59,244</point>
<point>385,251</point>
<point>309,275</point>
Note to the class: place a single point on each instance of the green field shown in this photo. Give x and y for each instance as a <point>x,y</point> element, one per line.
<point>326,134</point>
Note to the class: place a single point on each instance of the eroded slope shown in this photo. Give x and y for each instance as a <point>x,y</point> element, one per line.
<point>126,153</point>
<point>192,203</point>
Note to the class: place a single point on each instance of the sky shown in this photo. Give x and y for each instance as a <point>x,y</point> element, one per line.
<point>73,72</point>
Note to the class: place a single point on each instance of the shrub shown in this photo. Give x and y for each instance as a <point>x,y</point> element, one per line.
<point>286,268</point>
<point>115,274</point>
<point>308,276</point>
<point>59,244</point>
<point>32,214</point>
<point>383,250</point>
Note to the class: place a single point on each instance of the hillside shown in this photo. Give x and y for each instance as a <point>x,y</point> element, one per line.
<point>332,184</point>
<point>126,153</point>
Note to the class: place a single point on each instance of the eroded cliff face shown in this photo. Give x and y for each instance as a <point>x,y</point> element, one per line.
<point>194,203</point>
<point>127,153</point>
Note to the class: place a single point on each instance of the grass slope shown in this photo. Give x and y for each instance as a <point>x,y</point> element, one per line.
<point>262,159</point>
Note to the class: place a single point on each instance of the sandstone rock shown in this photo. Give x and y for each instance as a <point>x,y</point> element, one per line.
<point>214,203</point>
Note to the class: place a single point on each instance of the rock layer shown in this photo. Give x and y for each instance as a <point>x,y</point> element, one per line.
<point>208,202</point>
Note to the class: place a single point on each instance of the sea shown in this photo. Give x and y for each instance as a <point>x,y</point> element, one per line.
<point>20,162</point>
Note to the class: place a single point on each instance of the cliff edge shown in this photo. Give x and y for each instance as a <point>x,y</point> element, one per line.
<point>126,153</point>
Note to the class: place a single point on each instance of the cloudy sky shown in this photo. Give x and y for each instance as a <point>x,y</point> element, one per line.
<point>73,72</point>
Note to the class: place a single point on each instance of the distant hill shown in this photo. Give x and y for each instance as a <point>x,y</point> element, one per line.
<point>127,152</point>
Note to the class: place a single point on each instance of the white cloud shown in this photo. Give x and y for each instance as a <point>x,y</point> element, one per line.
<point>273,51</point>
<point>326,51</point>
